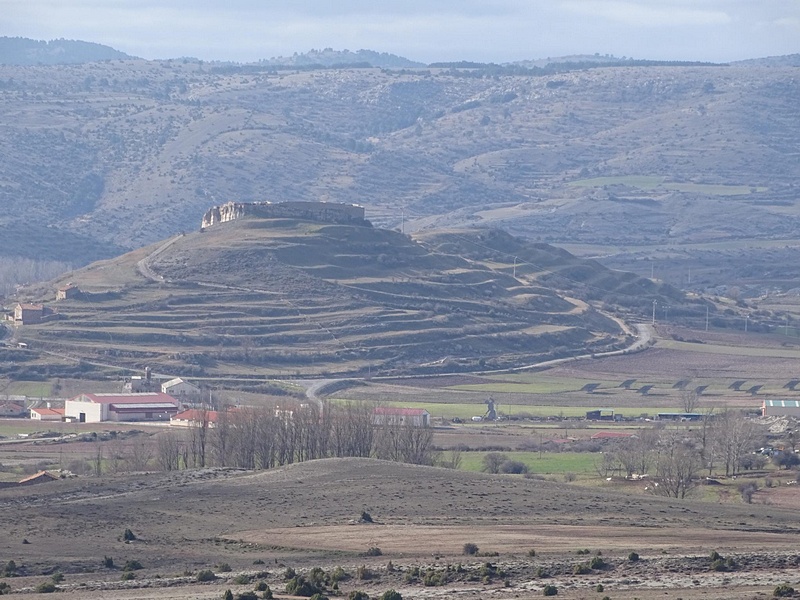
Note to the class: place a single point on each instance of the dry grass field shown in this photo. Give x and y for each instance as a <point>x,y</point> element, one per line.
<point>306,515</point>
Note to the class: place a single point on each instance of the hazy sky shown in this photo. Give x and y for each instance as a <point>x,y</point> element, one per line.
<point>424,30</point>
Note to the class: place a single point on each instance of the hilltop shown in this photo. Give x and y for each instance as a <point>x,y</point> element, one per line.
<point>637,165</point>
<point>261,296</point>
<point>25,51</point>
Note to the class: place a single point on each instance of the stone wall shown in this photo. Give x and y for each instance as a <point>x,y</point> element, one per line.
<point>326,212</point>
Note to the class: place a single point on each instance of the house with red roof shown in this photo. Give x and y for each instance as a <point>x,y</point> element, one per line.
<point>390,415</point>
<point>47,414</point>
<point>195,417</point>
<point>145,406</point>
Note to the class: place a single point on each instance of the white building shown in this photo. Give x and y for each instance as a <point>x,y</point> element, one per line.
<point>147,406</point>
<point>389,415</point>
<point>781,408</point>
<point>47,414</point>
<point>179,388</point>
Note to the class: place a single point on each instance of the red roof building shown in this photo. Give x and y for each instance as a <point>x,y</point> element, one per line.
<point>194,417</point>
<point>47,414</point>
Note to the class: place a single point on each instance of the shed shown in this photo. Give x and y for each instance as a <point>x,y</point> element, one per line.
<point>40,477</point>
<point>601,414</point>
<point>780,408</point>
<point>389,415</point>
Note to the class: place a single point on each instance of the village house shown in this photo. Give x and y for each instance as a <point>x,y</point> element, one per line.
<point>47,414</point>
<point>67,292</point>
<point>97,408</point>
<point>31,314</point>
<point>389,415</point>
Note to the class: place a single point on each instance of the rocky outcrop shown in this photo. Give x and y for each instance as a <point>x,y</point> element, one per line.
<point>326,212</point>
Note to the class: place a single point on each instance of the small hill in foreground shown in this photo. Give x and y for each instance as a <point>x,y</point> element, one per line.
<point>281,296</point>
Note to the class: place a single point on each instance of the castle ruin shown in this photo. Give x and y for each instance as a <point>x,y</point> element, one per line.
<point>326,212</point>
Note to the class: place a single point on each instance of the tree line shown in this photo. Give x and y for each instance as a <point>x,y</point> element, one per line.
<point>677,459</point>
<point>264,438</point>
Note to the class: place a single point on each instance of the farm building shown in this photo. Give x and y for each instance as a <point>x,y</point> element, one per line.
<point>67,292</point>
<point>96,408</point>
<point>179,388</point>
<point>47,414</point>
<point>31,314</point>
<point>602,414</point>
<point>11,409</point>
<point>389,415</point>
<point>194,417</point>
<point>40,477</point>
<point>612,435</point>
<point>678,416</point>
<point>780,408</point>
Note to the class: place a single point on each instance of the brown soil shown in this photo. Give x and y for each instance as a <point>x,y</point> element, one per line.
<point>307,515</point>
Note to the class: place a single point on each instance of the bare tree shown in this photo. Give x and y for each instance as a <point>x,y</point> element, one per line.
<point>677,466</point>
<point>636,453</point>
<point>734,435</point>
<point>139,452</point>
<point>690,400</point>
<point>197,436</point>
<point>169,451</point>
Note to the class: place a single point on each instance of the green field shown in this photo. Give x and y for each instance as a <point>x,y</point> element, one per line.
<point>546,463</point>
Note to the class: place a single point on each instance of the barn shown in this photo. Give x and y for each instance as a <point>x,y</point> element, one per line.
<point>180,388</point>
<point>780,408</point>
<point>96,408</point>
<point>389,415</point>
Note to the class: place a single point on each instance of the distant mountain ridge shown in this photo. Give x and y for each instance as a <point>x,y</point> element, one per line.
<point>25,51</point>
<point>329,57</point>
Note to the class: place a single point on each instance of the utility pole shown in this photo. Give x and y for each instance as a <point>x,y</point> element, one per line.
<point>654,311</point>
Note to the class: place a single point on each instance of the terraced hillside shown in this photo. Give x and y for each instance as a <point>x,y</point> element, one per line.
<point>271,296</point>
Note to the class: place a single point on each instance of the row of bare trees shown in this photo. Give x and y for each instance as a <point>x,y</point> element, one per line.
<point>262,438</point>
<point>675,458</point>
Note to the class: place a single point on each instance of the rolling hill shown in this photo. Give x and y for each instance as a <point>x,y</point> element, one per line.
<point>677,166</point>
<point>256,297</point>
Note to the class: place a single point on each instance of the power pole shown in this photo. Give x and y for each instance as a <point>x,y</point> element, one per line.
<point>654,311</point>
